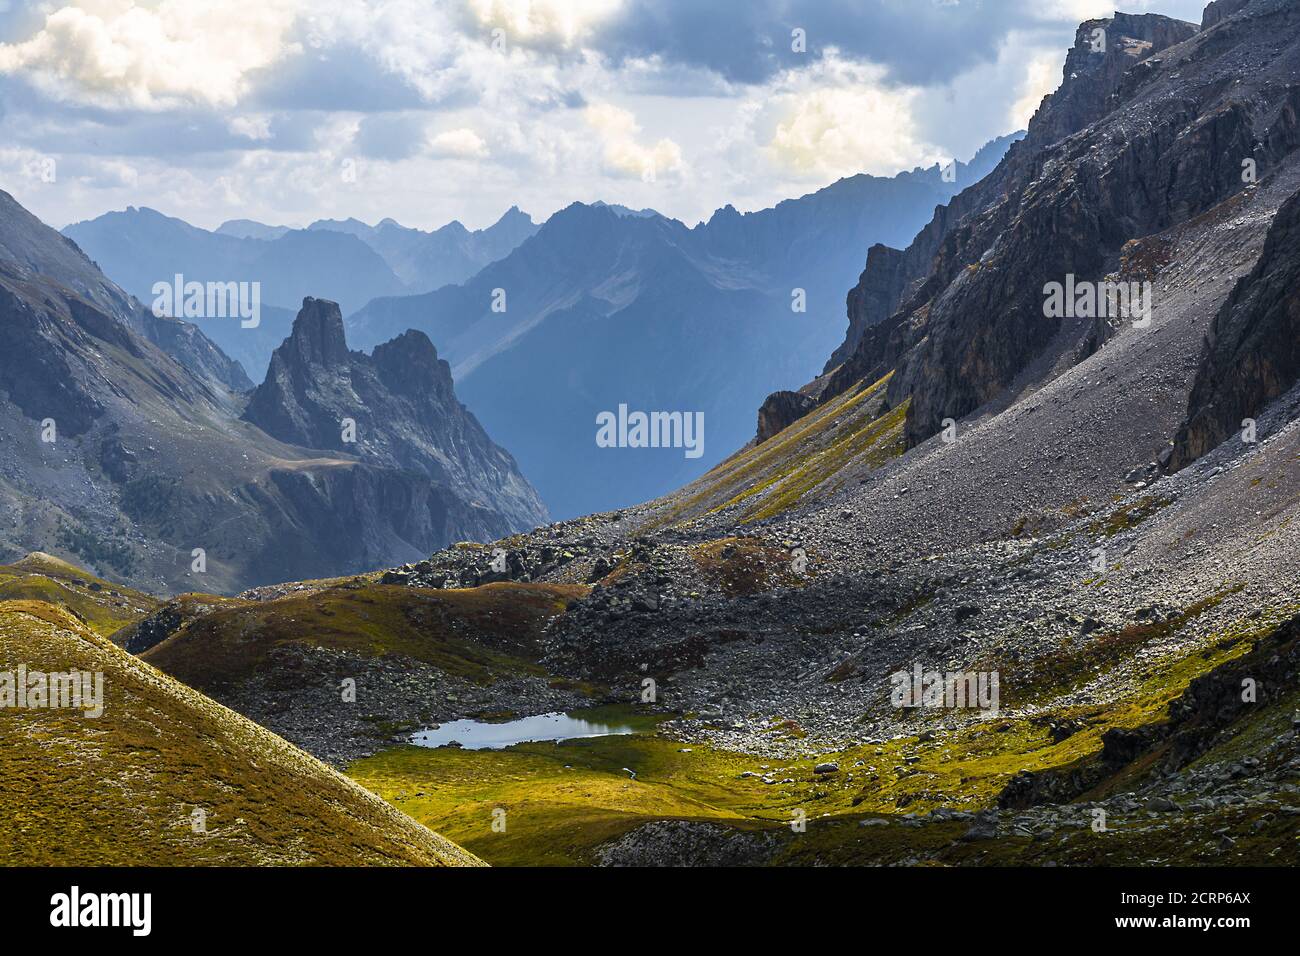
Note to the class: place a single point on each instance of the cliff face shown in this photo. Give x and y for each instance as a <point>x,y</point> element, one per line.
<point>396,410</point>
<point>1141,137</point>
<point>781,409</point>
<point>1252,352</point>
<point>874,298</point>
<point>891,274</point>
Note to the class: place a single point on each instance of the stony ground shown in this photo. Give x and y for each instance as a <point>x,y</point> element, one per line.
<point>397,696</point>
<point>1044,543</point>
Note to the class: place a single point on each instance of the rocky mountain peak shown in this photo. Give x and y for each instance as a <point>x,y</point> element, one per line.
<point>395,410</point>
<point>1104,51</point>
<point>780,410</point>
<point>727,213</point>
<point>514,215</point>
<point>409,365</point>
<point>308,382</point>
<point>317,338</point>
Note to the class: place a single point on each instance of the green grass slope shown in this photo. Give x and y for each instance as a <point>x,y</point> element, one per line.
<point>101,605</point>
<point>815,455</point>
<point>122,788</point>
<point>472,633</point>
<point>562,800</point>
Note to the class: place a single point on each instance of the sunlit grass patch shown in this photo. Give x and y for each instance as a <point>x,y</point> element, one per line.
<point>474,633</point>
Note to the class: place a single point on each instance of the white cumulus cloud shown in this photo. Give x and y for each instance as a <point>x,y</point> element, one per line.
<point>1042,76</point>
<point>251,126</point>
<point>462,143</point>
<point>842,119</point>
<point>562,22</point>
<point>127,53</point>
<point>624,155</point>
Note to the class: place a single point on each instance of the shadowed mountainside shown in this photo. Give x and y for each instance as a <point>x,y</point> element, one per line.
<point>1252,351</point>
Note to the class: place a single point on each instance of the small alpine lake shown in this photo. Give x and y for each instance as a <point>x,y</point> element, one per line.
<point>495,735</point>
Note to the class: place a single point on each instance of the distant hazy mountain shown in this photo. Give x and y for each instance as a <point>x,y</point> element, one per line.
<point>606,307</point>
<point>140,247</point>
<point>345,261</point>
<point>430,260</point>
<point>625,211</point>
<point>248,229</point>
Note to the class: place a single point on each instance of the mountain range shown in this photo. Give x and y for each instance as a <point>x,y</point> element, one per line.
<point>1099,512</point>
<point>604,307</point>
<point>342,261</point>
<point>132,442</point>
<point>710,312</point>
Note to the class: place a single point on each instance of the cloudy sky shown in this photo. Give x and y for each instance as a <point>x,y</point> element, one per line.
<point>287,111</point>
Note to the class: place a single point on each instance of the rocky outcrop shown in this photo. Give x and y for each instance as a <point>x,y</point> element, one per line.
<point>687,843</point>
<point>395,410</point>
<point>874,298</point>
<point>1219,10</point>
<point>780,410</point>
<point>307,391</point>
<point>1252,352</point>
<point>163,623</point>
<point>1207,709</point>
<point>1214,701</point>
<point>1143,136</point>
